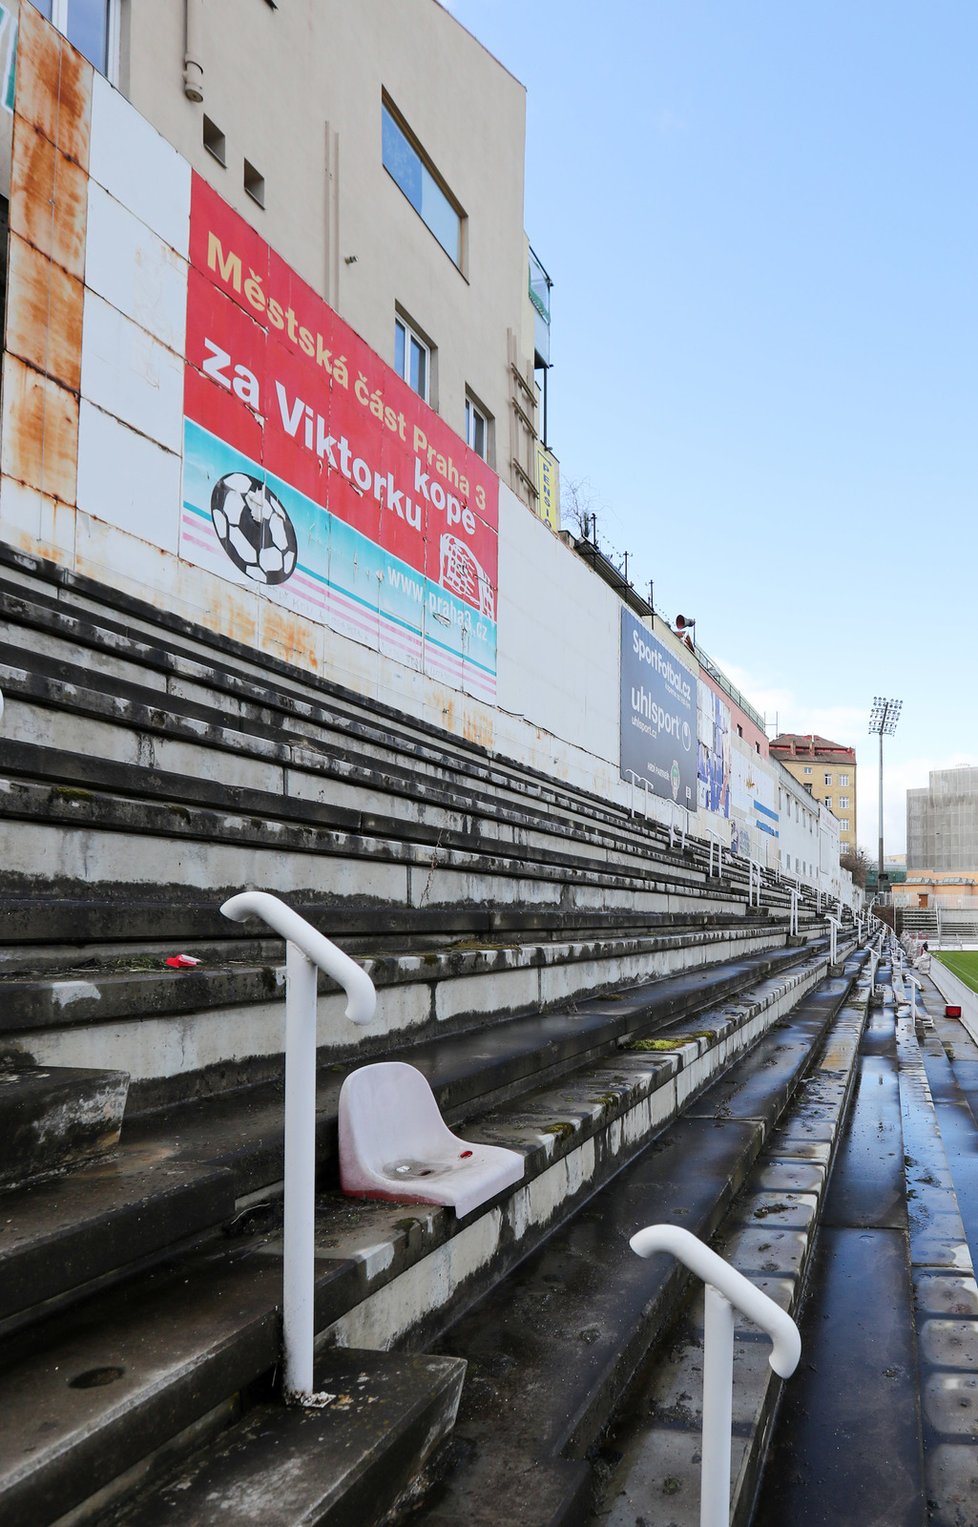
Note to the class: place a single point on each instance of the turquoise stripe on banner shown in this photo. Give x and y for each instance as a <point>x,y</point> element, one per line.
<point>767,812</point>
<point>763,827</point>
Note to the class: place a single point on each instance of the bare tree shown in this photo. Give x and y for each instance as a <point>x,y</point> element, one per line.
<point>858,863</point>
<point>577,506</point>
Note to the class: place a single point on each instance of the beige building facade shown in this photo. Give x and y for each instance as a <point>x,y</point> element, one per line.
<point>826,769</point>
<point>378,148</point>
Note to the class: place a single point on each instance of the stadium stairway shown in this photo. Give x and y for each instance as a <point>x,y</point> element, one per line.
<point>570,982</point>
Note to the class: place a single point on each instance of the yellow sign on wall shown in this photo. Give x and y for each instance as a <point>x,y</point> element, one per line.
<point>548,487</point>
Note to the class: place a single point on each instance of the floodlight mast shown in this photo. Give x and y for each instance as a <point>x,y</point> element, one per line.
<point>883,720</point>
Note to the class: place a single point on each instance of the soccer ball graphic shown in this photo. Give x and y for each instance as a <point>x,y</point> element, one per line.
<point>253,528</point>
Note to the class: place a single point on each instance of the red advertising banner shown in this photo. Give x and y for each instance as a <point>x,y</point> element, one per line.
<point>274,375</point>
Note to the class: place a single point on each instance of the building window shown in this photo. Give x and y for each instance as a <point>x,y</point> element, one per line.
<point>828,779</point>
<point>91,26</point>
<point>476,429</point>
<point>844,824</point>
<point>406,164</point>
<point>807,769</point>
<point>254,183</point>
<point>412,358</point>
<point>843,779</point>
<point>844,802</point>
<point>214,140</point>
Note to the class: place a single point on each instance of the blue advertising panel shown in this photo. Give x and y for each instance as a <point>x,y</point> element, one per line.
<point>658,715</point>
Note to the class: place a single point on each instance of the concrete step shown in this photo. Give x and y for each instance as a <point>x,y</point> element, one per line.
<point>120,636</point>
<point>348,1464</point>
<point>200,705</point>
<point>101,1388</point>
<point>53,1118</point>
<point>552,1351</point>
<point>169,1027</point>
<point>879,1424</point>
<point>180,1176</point>
<point>652,1454</point>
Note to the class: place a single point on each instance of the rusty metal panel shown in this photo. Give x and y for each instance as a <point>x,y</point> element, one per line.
<point>48,199</point>
<point>38,73</point>
<point>44,323</point>
<point>40,431</point>
<point>75,106</point>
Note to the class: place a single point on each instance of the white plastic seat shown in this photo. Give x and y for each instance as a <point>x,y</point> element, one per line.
<point>394,1144</point>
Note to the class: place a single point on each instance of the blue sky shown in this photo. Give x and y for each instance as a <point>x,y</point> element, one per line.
<point>762,223</point>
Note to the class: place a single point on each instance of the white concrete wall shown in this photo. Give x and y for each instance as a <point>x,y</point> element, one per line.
<point>117,505</point>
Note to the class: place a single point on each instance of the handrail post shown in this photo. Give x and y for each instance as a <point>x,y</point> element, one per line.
<point>726,1288</point>
<point>718,1355</point>
<point>915,986</point>
<point>306,951</point>
<point>793,923</point>
<point>298,1250</point>
<point>833,946</point>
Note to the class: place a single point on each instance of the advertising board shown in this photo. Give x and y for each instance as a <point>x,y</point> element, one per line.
<point>658,715</point>
<point>314,472</point>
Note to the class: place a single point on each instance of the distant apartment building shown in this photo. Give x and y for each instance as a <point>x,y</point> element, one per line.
<point>828,771</point>
<point>942,823</point>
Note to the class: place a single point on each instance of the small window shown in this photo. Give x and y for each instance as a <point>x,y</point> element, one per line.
<point>844,802</point>
<point>843,779</point>
<point>91,26</point>
<point>476,429</point>
<point>254,184</point>
<point>215,141</point>
<point>807,769</point>
<point>828,779</point>
<point>412,357</point>
<point>844,824</point>
<point>404,162</point>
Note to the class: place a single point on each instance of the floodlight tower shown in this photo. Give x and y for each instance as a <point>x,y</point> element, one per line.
<point>883,720</point>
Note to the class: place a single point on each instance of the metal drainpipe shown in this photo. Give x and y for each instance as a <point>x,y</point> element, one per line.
<point>193,69</point>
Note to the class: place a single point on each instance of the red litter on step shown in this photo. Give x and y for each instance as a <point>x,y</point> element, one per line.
<point>952,1012</point>
<point>464,1153</point>
<point>181,961</point>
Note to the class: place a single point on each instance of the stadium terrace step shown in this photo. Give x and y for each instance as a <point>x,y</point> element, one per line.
<point>552,1352</point>
<point>347,1464</point>
<point>53,1118</point>
<point>650,1459</point>
<point>163,1351</point>
<point>203,714</point>
<point>197,1163</point>
<point>879,1422</point>
<point>165,1025</point>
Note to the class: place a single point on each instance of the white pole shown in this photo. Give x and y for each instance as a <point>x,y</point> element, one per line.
<point>305,950</point>
<point>298,1320</point>
<point>726,1288</point>
<point>718,1350</point>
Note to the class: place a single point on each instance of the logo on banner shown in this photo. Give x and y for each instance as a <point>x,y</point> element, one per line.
<point>253,528</point>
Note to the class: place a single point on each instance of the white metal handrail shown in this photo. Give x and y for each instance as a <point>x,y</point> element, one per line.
<point>715,842</point>
<point>915,987</point>
<point>637,779</point>
<point>834,926</point>
<point>305,950</point>
<point>726,1289</point>
<point>753,883</point>
<point>793,922</point>
<point>684,819</point>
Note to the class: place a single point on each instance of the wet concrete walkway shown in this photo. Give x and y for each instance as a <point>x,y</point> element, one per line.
<point>847,1448</point>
